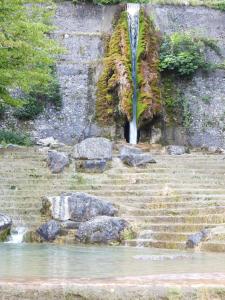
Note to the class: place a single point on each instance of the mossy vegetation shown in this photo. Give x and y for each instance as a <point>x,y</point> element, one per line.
<point>4,234</point>
<point>14,137</point>
<point>149,102</point>
<point>115,87</point>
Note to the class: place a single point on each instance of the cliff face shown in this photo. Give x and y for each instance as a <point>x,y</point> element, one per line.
<point>83,31</point>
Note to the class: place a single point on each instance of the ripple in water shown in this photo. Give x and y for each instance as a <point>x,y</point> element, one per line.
<point>162,257</point>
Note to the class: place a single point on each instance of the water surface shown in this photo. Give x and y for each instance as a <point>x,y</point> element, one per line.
<point>32,261</point>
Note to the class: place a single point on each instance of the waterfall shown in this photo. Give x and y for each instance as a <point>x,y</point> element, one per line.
<point>16,236</point>
<point>133,22</point>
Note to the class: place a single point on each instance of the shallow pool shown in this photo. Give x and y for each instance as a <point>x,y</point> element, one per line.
<point>52,261</point>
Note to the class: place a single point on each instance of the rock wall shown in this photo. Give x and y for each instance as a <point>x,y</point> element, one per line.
<point>205,92</point>
<point>81,30</point>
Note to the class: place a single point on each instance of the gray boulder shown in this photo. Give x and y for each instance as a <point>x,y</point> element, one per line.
<point>78,207</point>
<point>93,148</point>
<point>5,226</point>
<point>134,157</point>
<point>92,165</point>
<point>57,161</point>
<point>102,229</point>
<point>49,230</point>
<point>195,239</point>
<point>177,150</point>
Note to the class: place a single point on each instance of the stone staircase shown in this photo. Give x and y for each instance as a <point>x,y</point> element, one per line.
<point>165,202</point>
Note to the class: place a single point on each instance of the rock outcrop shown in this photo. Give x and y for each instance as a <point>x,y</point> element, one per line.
<point>177,150</point>
<point>5,226</point>
<point>57,161</point>
<point>78,207</point>
<point>134,157</point>
<point>102,229</point>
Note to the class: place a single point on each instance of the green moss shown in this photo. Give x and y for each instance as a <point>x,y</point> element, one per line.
<point>115,87</point>
<point>149,101</point>
<point>4,234</point>
<point>14,137</point>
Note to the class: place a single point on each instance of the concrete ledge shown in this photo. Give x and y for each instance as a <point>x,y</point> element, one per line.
<point>180,286</point>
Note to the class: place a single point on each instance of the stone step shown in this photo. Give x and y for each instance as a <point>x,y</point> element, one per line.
<point>173,212</point>
<point>175,227</point>
<point>209,218</point>
<point>156,244</point>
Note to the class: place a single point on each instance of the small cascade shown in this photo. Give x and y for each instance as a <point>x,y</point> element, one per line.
<point>16,236</point>
<point>133,22</point>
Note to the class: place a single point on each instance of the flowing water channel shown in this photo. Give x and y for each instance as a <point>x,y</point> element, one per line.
<point>39,261</point>
<point>133,23</point>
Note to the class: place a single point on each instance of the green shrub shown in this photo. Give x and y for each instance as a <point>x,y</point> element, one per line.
<point>183,53</point>
<point>14,137</point>
<point>36,101</point>
<point>31,109</point>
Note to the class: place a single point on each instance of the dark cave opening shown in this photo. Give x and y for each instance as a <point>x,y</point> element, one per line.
<point>127,132</point>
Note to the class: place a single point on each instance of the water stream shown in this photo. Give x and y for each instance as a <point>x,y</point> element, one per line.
<point>133,22</point>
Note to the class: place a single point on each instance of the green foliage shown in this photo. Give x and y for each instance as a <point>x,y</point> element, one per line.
<point>27,52</point>
<point>14,137</point>
<point>115,87</point>
<point>35,101</point>
<point>175,104</point>
<point>107,2</point>
<point>183,53</point>
<point>149,103</point>
<point>29,110</point>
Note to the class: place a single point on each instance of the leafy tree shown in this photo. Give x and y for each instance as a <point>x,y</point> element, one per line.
<point>26,51</point>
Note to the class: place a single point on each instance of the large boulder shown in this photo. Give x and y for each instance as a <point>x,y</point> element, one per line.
<point>134,157</point>
<point>93,148</point>
<point>78,207</point>
<point>57,161</point>
<point>49,230</point>
<point>102,229</point>
<point>5,226</point>
<point>177,150</point>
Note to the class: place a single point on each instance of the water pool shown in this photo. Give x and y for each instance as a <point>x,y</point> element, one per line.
<point>52,261</point>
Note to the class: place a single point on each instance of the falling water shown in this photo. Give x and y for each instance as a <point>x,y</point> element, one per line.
<point>133,22</point>
<point>16,236</point>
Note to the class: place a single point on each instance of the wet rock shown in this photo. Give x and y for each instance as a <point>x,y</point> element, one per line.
<point>57,161</point>
<point>92,165</point>
<point>32,237</point>
<point>70,224</point>
<point>103,229</point>
<point>177,150</point>
<point>78,207</point>
<point>94,148</point>
<point>195,239</point>
<point>5,226</point>
<point>49,230</point>
<point>134,157</point>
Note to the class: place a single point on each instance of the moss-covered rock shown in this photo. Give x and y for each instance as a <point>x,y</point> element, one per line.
<point>115,87</point>
<point>149,102</point>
